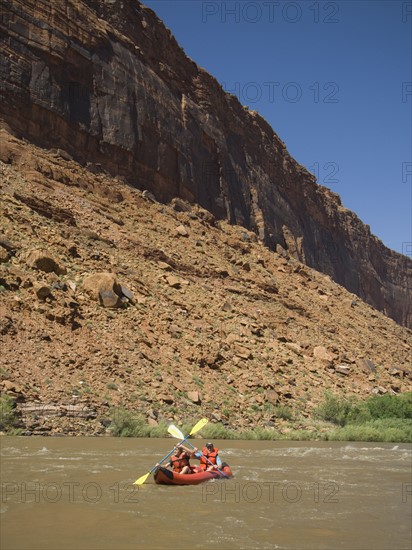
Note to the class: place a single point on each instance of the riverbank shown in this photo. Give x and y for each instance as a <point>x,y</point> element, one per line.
<point>380,418</point>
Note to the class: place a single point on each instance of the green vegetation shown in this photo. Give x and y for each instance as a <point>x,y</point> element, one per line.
<point>283,411</point>
<point>215,431</point>
<point>337,410</point>
<point>350,411</point>
<point>125,423</point>
<point>9,420</point>
<point>385,430</point>
<point>386,418</point>
<point>380,418</point>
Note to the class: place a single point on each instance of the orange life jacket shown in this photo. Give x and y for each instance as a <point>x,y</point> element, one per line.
<point>179,462</point>
<point>210,455</point>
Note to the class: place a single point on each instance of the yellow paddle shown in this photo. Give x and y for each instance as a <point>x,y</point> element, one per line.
<point>195,429</point>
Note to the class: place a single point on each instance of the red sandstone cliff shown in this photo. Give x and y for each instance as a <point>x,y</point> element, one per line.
<point>107,82</point>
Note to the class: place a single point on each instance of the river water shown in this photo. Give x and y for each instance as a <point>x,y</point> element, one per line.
<point>77,493</point>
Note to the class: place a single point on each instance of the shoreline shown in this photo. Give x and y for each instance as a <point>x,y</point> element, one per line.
<point>379,419</point>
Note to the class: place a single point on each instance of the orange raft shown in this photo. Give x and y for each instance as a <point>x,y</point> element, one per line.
<point>163,476</point>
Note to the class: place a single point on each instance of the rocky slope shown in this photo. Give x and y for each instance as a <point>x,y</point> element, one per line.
<point>106,82</point>
<point>192,317</point>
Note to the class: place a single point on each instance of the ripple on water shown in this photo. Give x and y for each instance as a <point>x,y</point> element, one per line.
<point>23,452</point>
<point>10,451</point>
<point>373,454</point>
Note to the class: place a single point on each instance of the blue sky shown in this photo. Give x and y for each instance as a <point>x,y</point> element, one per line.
<point>334,80</point>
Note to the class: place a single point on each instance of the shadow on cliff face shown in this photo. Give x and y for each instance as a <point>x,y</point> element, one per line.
<point>76,99</point>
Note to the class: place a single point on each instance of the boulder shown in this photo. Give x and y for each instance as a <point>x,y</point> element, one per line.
<point>343,369</point>
<point>8,385</point>
<point>194,396</point>
<point>173,281</point>
<point>227,306</point>
<point>7,245</point>
<point>104,288</point>
<point>166,398</point>
<point>379,390</point>
<point>272,397</point>
<point>182,231</point>
<point>366,365</point>
<point>294,347</point>
<point>108,298</point>
<point>7,325</point>
<point>323,354</point>
<point>211,360</point>
<point>126,292</point>
<point>179,205</point>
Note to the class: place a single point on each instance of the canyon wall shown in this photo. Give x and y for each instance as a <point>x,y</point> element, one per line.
<point>107,82</point>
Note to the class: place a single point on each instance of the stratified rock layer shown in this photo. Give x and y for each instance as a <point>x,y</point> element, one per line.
<point>106,83</point>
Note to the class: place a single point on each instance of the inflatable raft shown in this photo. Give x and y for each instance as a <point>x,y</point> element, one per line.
<point>163,476</point>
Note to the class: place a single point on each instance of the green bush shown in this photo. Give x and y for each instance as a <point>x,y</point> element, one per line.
<point>9,419</point>
<point>125,423</point>
<point>334,409</point>
<point>390,406</point>
<point>342,411</point>
<point>283,411</point>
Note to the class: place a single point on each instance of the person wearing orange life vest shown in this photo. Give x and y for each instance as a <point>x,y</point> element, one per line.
<point>180,460</point>
<point>209,458</point>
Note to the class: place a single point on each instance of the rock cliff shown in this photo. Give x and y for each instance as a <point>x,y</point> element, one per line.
<point>106,82</point>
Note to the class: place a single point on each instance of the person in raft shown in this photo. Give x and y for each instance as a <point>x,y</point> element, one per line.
<point>180,460</point>
<point>209,457</point>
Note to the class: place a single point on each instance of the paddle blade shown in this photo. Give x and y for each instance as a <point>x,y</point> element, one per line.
<point>199,425</point>
<point>142,479</point>
<point>175,432</point>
